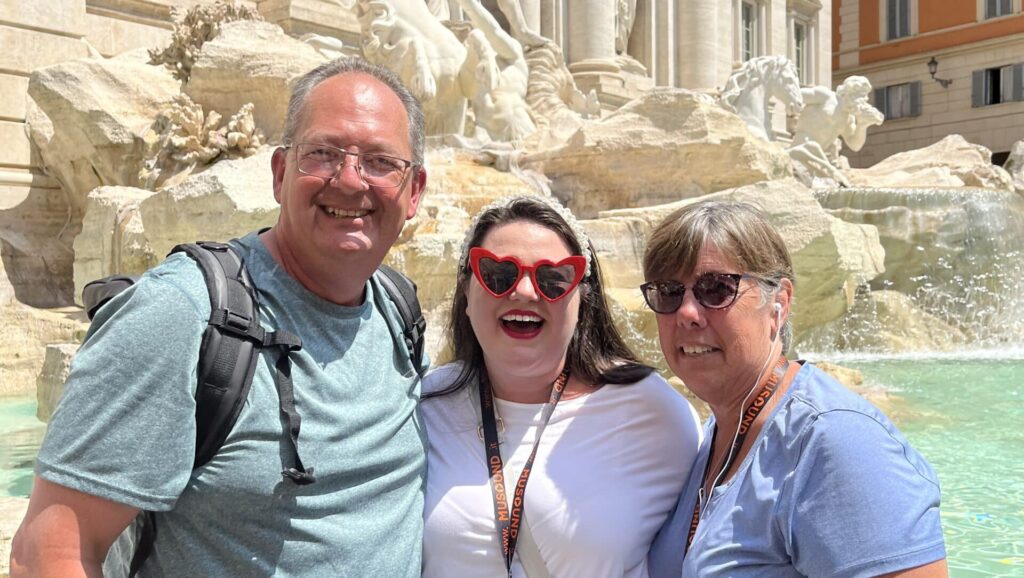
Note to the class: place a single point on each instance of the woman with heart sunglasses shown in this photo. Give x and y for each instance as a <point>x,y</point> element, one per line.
<point>553,451</point>
<point>797,476</point>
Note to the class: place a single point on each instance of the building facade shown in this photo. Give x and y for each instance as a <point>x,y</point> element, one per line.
<point>938,67</point>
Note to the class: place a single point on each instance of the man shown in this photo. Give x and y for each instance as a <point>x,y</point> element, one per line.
<point>123,439</point>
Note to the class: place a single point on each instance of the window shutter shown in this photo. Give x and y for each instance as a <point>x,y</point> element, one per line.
<point>1018,81</point>
<point>891,32</point>
<point>990,9</point>
<point>880,103</point>
<point>1005,5</point>
<point>978,88</point>
<point>915,98</point>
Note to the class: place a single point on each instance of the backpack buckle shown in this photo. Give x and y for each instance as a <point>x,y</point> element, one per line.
<point>237,322</point>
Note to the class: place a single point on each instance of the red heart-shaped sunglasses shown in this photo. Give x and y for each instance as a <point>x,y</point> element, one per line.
<point>499,275</point>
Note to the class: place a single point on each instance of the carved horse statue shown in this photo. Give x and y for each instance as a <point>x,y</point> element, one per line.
<point>749,91</point>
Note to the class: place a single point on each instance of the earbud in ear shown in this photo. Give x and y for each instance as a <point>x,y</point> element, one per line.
<point>778,320</point>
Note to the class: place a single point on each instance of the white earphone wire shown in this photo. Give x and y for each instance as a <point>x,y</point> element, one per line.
<point>743,409</point>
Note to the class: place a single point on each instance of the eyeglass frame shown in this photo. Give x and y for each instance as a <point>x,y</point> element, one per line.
<point>578,262</point>
<point>359,157</point>
<point>737,277</point>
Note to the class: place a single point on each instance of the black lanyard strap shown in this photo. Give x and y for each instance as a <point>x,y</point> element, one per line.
<point>508,519</point>
<point>749,415</point>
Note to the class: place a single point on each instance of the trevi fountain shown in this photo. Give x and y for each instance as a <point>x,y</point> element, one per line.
<point>909,273</point>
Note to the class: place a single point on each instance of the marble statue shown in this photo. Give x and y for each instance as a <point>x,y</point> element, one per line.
<point>749,91</point>
<point>828,120</point>
<point>521,31</point>
<point>406,37</point>
<point>328,46</point>
<point>625,14</point>
<point>555,102</point>
<point>494,78</point>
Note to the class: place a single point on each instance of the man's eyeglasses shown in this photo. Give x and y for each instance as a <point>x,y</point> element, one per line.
<point>499,275</point>
<point>324,161</point>
<point>711,290</point>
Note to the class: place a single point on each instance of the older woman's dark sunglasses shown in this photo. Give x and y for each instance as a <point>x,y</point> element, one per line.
<point>499,275</point>
<point>711,290</point>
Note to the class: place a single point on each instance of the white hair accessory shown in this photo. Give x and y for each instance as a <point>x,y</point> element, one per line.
<point>552,203</point>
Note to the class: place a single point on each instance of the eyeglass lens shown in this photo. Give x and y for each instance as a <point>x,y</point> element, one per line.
<point>711,290</point>
<point>325,161</point>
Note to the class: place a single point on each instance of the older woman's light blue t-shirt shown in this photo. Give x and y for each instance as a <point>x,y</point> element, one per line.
<point>829,488</point>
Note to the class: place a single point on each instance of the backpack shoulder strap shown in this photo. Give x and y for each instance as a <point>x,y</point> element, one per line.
<point>230,347</point>
<point>96,293</point>
<point>402,291</point>
<point>228,356</point>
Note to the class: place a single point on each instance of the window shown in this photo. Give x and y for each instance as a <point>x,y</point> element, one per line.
<point>997,85</point>
<point>800,51</point>
<point>899,100</point>
<point>898,18</point>
<point>997,8</point>
<point>748,31</point>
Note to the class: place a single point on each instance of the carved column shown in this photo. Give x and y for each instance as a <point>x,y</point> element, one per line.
<point>591,51</point>
<point>551,19</point>
<point>643,42</point>
<point>531,12</point>
<point>665,31</point>
<point>592,36</point>
<point>697,23</point>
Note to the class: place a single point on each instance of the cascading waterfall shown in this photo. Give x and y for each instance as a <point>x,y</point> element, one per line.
<point>956,254</point>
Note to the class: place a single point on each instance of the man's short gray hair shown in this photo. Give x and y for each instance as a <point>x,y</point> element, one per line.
<point>345,65</point>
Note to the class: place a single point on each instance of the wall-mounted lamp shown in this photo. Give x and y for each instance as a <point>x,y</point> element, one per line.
<point>933,67</point>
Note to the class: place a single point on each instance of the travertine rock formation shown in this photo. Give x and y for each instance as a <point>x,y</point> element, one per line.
<point>198,25</point>
<point>251,62</point>
<point>24,334</point>
<point>35,248</point>
<point>50,383</point>
<point>128,230</point>
<point>671,144</point>
<point>1015,166</point>
<point>112,240</point>
<point>831,258</point>
<point>90,118</point>
<point>230,199</point>
<point>951,162</point>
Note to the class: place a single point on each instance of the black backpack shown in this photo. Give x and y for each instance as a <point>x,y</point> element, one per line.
<point>230,351</point>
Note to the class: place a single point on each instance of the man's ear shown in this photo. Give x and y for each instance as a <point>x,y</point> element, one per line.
<point>277,165</point>
<point>416,190</point>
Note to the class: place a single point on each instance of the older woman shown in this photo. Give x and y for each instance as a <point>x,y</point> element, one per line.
<point>553,452</point>
<point>796,476</point>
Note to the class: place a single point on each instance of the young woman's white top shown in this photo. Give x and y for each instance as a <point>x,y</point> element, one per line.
<point>609,469</point>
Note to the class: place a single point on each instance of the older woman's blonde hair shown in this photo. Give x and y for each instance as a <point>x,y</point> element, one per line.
<point>740,231</point>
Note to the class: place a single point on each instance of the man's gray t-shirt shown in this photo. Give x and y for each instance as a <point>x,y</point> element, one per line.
<point>125,431</point>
